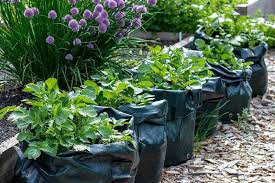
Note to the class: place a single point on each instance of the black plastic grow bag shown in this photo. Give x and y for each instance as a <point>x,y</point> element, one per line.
<point>213,92</point>
<point>111,163</point>
<point>150,122</point>
<point>259,78</point>
<point>182,105</point>
<point>238,91</point>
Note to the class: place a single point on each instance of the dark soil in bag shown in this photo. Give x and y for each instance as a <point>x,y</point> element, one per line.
<point>213,92</point>
<point>238,91</point>
<point>259,78</point>
<point>180,125</point>
<point>103,163</point>
<point>150,122</point>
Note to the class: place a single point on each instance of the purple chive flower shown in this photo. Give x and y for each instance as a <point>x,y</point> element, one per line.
<point>73,24</point>
<point>77,42</point>
<point>102,28</point>
<point>82,22</point>
<point>105,21</point>
<point>50,40</point>
<point>90,45</point>
<point>99,8</point>
<point>106,3</point>
<point>141,9</point>
<point>120,3</point>
<point>152,2</point>
<point>35,10</point>
<point>87,14</point>
<point>52,15</point>
<point>136,23</point>
<point>95,15</point>
<point>119,15</point>
<point>121,22</point>
<point>122,33</point>
<point>69,57</point>
<point>72,1</point>
<point>96,1</point>
<point>74,11</point>
<point>68,18</point>
<point>134,9</point>
<point>112,4</point>
<point>28,13</point>
<point>104,14</point>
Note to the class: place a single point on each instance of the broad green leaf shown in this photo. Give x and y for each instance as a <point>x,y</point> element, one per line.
<point>105,131</point>
<point>52,84</point>
<point>6,110</point>
<point>32,153</point>
<point>24,136</point>
<point>88,111</point>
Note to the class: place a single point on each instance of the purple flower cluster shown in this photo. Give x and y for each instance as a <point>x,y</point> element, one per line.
<point>30,12</point>
<point>50,40</point>
<point>52,15</point>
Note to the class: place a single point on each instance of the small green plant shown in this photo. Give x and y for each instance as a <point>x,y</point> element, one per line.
<point>206,123</point>
<point>172,70</point>
<point>218,53</point>
<point>240,123</point>
<point>56,121</point>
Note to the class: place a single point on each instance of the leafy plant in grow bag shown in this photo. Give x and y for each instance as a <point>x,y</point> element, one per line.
<point>172,70</point>
<point>59,121</point>
<point>111,91</point>
<point>64,39</point>
<point>221,53</point>
<point>240,31</point>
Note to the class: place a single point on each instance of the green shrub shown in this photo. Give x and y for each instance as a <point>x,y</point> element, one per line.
<point>183,15</point>
<point>59,121</point>
<point>40,41</point>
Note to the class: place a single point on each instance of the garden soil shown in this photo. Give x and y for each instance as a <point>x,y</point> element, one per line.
<point>241,152</point>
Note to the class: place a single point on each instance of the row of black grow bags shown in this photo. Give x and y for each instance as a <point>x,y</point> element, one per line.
<point>115,162</point>
<point>237,91</point>
<point>259,78</point>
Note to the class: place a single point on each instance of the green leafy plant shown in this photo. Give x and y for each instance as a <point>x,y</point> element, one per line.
<point>57,121</point>
<point>63,39</point>
<point>239,31</point>
<point>109,89</point>
<point>172,70</point>
<point>240,123</point>
<point>218,52</point>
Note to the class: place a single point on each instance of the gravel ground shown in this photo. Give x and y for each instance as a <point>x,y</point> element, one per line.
<point>242,152</point>
<point>7,98</point>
